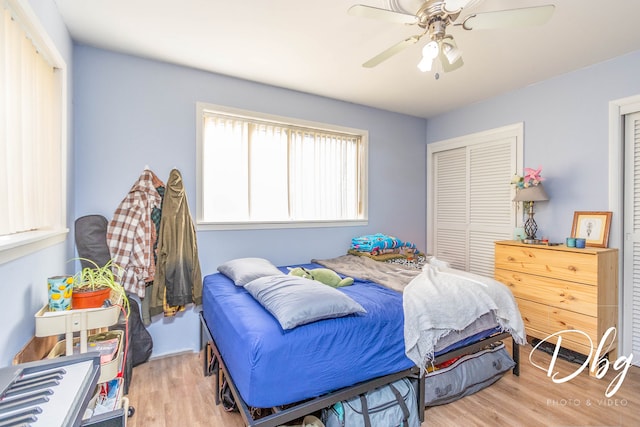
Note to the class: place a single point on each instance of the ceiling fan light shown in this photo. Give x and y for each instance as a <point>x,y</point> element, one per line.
<point>451,52</point>
<point>425,64</point>
<point>430,50</point>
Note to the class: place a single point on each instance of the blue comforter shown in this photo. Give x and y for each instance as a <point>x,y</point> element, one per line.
<point>272,367</point>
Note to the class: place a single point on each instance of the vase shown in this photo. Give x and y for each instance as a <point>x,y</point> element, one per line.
<point>89,299</point>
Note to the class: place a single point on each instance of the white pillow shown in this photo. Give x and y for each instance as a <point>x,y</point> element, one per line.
<point>244,270</point>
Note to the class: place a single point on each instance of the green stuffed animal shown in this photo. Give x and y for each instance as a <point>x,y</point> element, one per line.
<point>322,275</point>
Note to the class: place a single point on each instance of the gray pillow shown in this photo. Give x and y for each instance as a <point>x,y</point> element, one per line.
<point>295,301</point>
<point>244,270</point>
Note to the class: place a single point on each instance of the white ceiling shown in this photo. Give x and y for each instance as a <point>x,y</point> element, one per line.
<point>314,46</point>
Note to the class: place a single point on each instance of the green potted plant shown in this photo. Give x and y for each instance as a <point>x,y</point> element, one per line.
<point>93,285</point>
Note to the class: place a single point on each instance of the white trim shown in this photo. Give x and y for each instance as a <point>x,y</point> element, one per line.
<point>617,109</point>
<point>22,244</point>
<point>201,107</point>
<point>516,129</point>
<point>39,36</point>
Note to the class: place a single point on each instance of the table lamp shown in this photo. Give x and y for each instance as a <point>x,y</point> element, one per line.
<point>528,195</point>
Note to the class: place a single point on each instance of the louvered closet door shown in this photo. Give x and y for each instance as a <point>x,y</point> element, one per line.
<point>632,232</point>
<point>451,206</point>
<point>473,202</point>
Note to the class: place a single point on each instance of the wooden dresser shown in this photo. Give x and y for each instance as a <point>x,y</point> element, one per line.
<point>559,288</point>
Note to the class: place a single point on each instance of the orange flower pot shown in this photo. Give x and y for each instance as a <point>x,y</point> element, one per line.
<point>89,299</point>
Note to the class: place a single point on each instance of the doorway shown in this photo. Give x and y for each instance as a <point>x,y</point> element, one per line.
<point>624,190</point>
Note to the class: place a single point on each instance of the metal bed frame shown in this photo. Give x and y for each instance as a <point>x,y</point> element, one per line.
<point>213,364</point>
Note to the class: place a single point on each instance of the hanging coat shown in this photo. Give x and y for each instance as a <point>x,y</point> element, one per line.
<point>178,277</point>
<point>131,234</point>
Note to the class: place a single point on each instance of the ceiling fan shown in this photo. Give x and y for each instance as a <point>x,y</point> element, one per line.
<point>433,17</point>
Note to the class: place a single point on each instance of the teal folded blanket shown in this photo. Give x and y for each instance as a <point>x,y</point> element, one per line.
<point>378,242</point>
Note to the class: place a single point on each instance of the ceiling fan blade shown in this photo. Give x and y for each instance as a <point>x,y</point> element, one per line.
<point>455,5</point>
<point>384,55</point>
<point>511,18</point>
<point>383,14</point>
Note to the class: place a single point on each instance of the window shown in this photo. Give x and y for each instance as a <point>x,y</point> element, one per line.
<point>32,135</point>
<point>260,171</point>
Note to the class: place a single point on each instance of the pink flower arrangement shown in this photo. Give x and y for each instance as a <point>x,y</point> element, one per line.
<point>531,178</point>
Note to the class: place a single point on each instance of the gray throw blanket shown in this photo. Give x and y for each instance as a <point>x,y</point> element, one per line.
<point>436,301</point>
<point>392,276</point>
<point>442,300</point>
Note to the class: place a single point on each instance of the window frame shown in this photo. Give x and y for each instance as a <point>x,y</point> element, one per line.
<point>201,224</point>
<point>17,245</point>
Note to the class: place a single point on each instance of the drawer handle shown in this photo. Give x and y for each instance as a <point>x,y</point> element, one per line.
<point>572,268</point>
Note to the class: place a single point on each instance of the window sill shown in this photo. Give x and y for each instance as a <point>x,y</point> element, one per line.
<point>18,245</point>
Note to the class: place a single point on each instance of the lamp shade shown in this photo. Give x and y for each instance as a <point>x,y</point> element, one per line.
<point>451,51</point>
<point>534,193</point>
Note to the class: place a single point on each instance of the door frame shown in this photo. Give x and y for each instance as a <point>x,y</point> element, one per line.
<point>617,110</point>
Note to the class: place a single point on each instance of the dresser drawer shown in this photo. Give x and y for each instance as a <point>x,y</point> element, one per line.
<point>540,321</point>
<point>566,295</point>
<point>582,347</point>
<point>581,267</point>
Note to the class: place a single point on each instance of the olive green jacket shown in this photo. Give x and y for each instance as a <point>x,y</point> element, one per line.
<point>178,267</point>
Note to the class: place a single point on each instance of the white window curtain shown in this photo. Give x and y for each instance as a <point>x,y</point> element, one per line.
<point>258,171</point>
<point>30,148</point>
<point>324,176</point>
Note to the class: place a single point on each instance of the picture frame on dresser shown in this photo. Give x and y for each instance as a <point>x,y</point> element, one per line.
<point>592,226</point>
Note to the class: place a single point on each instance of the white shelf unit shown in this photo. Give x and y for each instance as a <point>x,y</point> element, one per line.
<point>108,370</point>
<point>70,321</point>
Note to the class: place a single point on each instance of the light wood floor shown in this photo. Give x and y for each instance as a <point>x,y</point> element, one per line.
<point>172,391</point>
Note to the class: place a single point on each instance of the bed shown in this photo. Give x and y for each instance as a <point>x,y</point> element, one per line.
<point>305,368</point>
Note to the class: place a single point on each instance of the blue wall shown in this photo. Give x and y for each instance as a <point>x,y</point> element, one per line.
<point>130,112</point>
<point>25,279</point>
<point>566,131</point>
